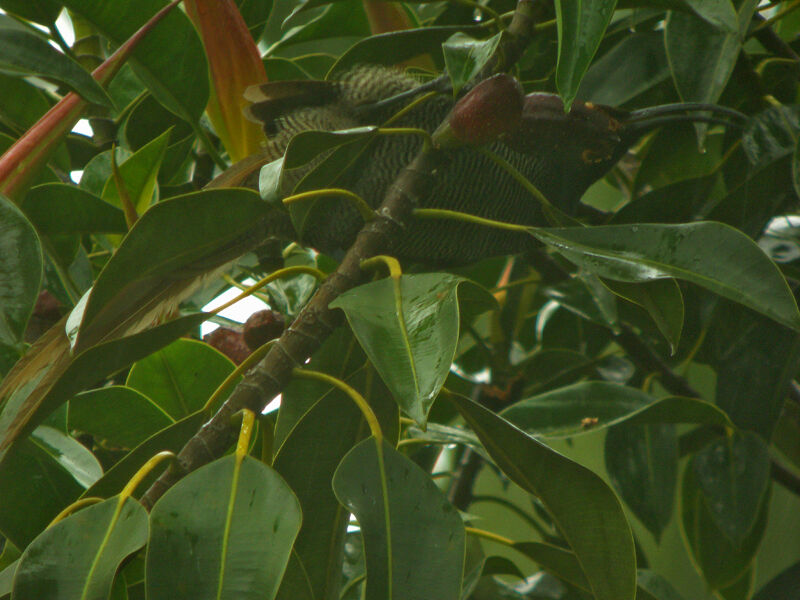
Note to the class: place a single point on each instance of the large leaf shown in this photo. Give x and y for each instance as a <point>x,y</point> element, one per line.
<point>581,26</point>
<point>181,377</point>
<point>171,438</point>
<point>61,208</point>
<point>413,537</point>
<point>79,556</point>
<point>712,255</point>
<point>595,527</point>
<point>333,423</point>
<point>720,561</point>
<point>464,57</point>
<point>162,256</point>
<point>28,54</point>
<point>634,66</point>
<point>642,461</point>
<point>38,479</point>
<point>170,60</point>
<point>138,176</point>
<point>781,587</point>
<point>30,403</point>
<point>20,272</point>
<point>702,56</point>
<point>409,329</point>
<point>116,415</point>
<point>733,474</point>
<point>223,531</point>
<point>590,405</point>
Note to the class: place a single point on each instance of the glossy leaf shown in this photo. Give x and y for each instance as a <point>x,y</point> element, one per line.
<point>333,423</point>
<point>138,176</point>
<point>28,54</point>
<point>397,46</point>
<point>642,462</point>
<point>79,556</point>
<point>117,415</point>
<point>733,474</point>
<point>720,561</point>
<point>181,86</point>
<point>181,377</point>
<point>781,587</point>
<point>581,27</point>
<point>154,267</point>
<point>734,352</point>
<point>409,329</point>
<point>41,11</point>
<point>171,438</point>
<point>632,67</point>
<point>589,405</point>
<point>771,134</point>
<point>30,403</point>
<point>464,57</point>
<point>40,476</point>
<point>61,208</point>
<point>224,530</point>
<point>20,272</point>
<point>653,586</point>
<point>701,56</point>
<point>712,255</point>
<point>663,301</point>
<point>413,537</point>
<point>595,529</point>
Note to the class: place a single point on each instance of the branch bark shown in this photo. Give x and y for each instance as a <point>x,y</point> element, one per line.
<point>316,321</point>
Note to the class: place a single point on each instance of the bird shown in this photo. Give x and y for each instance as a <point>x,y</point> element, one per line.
<point>560,153</point>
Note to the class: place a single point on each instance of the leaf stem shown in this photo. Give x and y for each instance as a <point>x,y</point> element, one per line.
<point>295,270</point>
<point>360,401</point>
<point>489,536</point>
<point>364,209</point>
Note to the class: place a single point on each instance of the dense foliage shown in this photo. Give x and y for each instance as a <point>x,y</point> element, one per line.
<point>612,414</point>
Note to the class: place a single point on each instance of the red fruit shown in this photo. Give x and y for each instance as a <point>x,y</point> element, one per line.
<point>490,109</point>
<point>261,327</point>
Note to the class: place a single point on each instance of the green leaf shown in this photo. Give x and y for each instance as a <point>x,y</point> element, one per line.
<point>35,485</point>
<point>307,145</point>
<point>562,412</point>
<point>781,587</point>
<point>172,438</point>
<point>79,556</point>
<point>41,11</point>
<point>223,531</point>
<point>712,255</point>
<point>595,528</point>
<point>409,329</point>
<point>559,561</point>
<point>663,301</point>
<point>734,352</point>
<point>397,46</point>
<point>701,56</point>
<point>57,208</point>
<point>581,27</point>
<point>733,474</point>
<point>139,174</point>
<point>720,561</point>
<point>635,65</point>
<point>333,423</point>
<point>642,462</point>
<point>154,265</point>
<point>170,60</point>
<point>181,377</point>
<point>70,454</point>
<point>413,537</point>
<point>465,56</point>
<point>26,54</point>
<point>771,134</point>
<point>653,586</point>
<point>22,104</point>
<point>117,415</point>
<point>31,403</point>
<point>21,268</point>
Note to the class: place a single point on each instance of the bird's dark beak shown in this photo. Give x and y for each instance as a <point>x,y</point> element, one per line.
<point>639,122</point>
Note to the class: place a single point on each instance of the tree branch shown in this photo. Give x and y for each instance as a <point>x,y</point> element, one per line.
<point>316,321</point>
